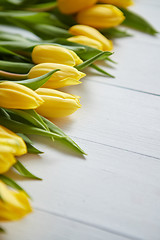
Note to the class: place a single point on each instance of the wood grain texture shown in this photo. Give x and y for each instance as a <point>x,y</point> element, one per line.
<point>42,225</point>
<point>112,189</point>
<point>114,193</point>
<point>117,117</point>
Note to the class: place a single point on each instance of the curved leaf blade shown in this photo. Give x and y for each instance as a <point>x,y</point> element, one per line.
<point>24,172</point>
<point>10,182</point>
<point>137,22</point>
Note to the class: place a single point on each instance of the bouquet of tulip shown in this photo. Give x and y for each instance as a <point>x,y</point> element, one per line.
<point>71,35</point>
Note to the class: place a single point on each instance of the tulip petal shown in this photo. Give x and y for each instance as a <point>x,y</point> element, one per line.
<point>101,16</point>
<point>14,205</point>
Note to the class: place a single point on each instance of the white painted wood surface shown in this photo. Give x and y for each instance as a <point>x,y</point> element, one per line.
<point>114,193</point>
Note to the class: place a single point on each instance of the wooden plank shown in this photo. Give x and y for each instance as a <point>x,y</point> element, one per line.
<point>116,117</point>
<point>138,65</point>
<point>41,225</point>
<point>112,189</point>
<point>114,193</point>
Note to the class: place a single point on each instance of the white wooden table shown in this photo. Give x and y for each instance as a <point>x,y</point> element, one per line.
<point>114,193</point>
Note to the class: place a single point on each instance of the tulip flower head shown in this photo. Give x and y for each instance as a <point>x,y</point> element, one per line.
<point>13,204</point>
<point>118,3</point>
<point>57,104</point>
<point>72,6</point>
<point>92,33</point>
<point>11,142</point>
<point>86,41</point>
<point>65,77</point>
<point>7,160</point>
<point>14,95</point>
<point>54,54</point>
<point>101,16</point>
<point>10,145</point>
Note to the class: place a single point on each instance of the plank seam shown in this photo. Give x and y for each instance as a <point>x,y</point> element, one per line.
<point>105,229</point>
<point>122,149</point>
<point>126,88</point>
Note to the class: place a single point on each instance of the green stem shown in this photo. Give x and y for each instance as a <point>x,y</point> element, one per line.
<point>42,7</point>
<point>13,76</point>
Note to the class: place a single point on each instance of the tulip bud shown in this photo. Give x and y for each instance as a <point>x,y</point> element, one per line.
<point>72,6</point>
<point>56,103</point>
<point>11,142</point>
<point>65,77</point>
<point>54,54</point>
<point>93,34</point>
<point>6,161</point>
<point>14,95</point>
<point>13,204</point>
<point>101,16</point>
<point>86,41</point>
<point>10,145</point>
<point>118,3</point>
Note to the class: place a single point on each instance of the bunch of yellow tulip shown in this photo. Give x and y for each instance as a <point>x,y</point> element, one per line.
<point>48,58</point>
<point>14,96</point>
<point>46,101</point>
<point>91,16</point>
<point>13,205</point>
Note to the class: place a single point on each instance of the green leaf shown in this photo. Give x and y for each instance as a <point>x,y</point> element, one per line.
<point>114,33</point>
<point>10,182</point>
<point>13,2</point>
<point>91,60</point>
<point>66,19</point>
<point>25,138</point>
<point>30,147</point>
<point>101,71</point>
<point>23,171</point>
<point>4,50</point>
<point>42,6</point>
<point>20,127</point>
<point>17,46</point>
<point>35,83</point>
<point>29,17</point>
<point>4,113</point>
<point>5,36</point>
<point>15,67</point>
<point>137,22</point>
<point>30,115</point>
<point>49,32</point>
<point>2,230</point>
<point>66,139</point>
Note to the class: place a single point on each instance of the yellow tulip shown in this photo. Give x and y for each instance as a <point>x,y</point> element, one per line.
<point>6,161</point>
<point>65,77</point>
<point>54,54</point>
<point>14,95</point>
<point>13,204</point>
<point>118,3</point>
<point>56,103</point>
<point>72,6</point>
<point>10,145</point>
<point>76,58</point>
<point>101,16</point>
<point>11,142</point>
<point>86,41</point>
<point>92,33</point>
